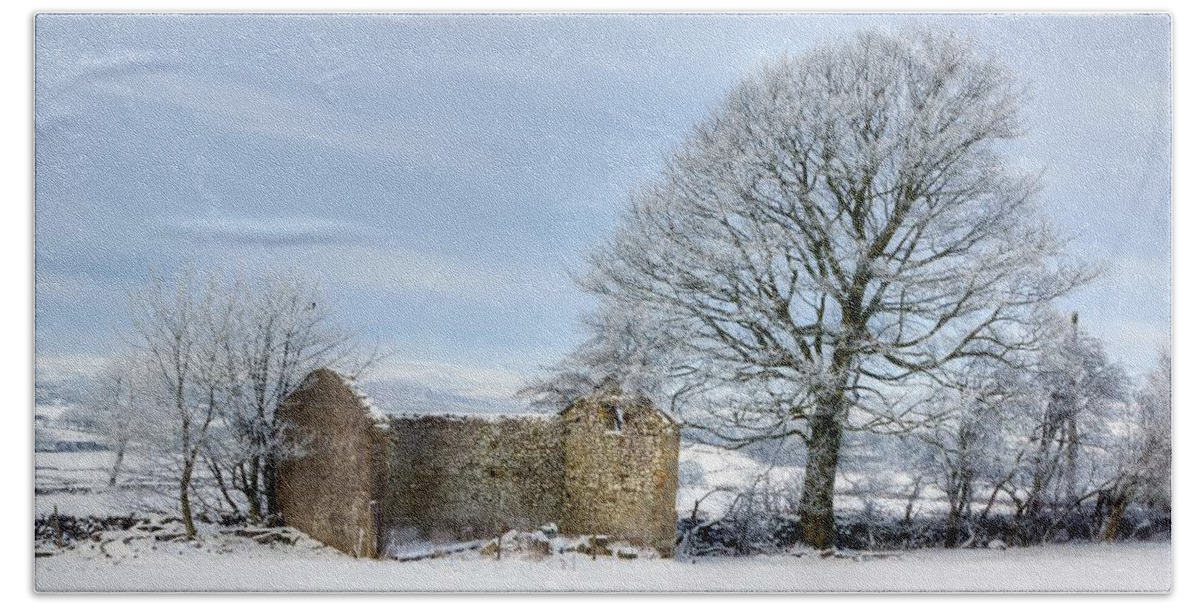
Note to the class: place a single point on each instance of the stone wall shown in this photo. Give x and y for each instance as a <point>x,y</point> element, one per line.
<point>329,488</point>
<point>361,482</point>
<point>620,477</point>
<point>458,478</point>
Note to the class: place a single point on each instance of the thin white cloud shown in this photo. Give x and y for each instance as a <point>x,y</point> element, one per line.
<point>392,268</point>
<point>233,106</point>
<point>75,286</point>
<point>276,230</point>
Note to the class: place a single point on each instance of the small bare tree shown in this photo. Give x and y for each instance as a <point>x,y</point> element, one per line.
<point>841,227</point>
<point>181,329</point>
<point>111,406</point>
<point>968,441</point>
<point>1142,453</point>
<point>1154,422</point>
<point>1076,389</point>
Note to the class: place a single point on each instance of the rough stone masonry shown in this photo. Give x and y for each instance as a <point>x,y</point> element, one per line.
<point>366,483</point>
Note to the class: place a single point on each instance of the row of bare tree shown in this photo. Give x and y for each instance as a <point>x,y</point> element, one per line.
<point>1066,441</point>
<point>209,361</point>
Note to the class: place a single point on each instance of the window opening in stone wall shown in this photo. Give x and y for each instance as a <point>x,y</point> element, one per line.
<point>613,417</point>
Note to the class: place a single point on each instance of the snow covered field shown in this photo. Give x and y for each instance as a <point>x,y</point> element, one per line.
<point>77,484</point>
<point>230,565</point>
<point>714,476</point>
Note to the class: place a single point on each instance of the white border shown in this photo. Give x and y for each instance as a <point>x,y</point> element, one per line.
<point>17,256</point>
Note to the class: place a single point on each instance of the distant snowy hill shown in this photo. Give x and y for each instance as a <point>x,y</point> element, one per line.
<point>52,402</point>
<point>395,397</point>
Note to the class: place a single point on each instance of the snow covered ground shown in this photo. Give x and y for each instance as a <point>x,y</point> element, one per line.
<point>76,483</point>
<point>235,564</point>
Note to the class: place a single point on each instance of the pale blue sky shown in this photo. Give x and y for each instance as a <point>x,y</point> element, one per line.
<point>441,175</point>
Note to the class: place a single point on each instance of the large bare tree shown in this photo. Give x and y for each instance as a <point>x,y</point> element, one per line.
<point>841,227</point>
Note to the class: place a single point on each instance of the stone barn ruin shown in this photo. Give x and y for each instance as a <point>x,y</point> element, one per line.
<point>366,483</point>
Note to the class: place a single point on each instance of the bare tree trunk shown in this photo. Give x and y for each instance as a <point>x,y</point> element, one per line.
<point>953,517</point>
<point>1043,466</point>
<point>1072,481</point>
<point>185,476</point>
<point>269,470</point>
<point>987,509</point>
<point>185,503</point>
<point>58,536</point>
<point>912,500</point>
<point>820,474</point>
<point>817,524</point>
<point>116,467</point>
<point>960,506</point>
<point>219,477</point>
<point>960,487</point>
<point>1072,423</point>
<point>252,492</point>
<point>1119,504</point>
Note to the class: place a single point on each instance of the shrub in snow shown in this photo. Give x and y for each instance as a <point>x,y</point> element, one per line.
<point>748,533</point>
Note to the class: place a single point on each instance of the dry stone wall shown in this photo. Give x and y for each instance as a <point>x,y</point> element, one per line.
<point>460,478</point>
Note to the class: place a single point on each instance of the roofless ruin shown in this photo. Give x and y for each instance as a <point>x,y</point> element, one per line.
<point>367,483</point>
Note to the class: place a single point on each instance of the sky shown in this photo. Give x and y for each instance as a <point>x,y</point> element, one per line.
<point>442,177</point>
